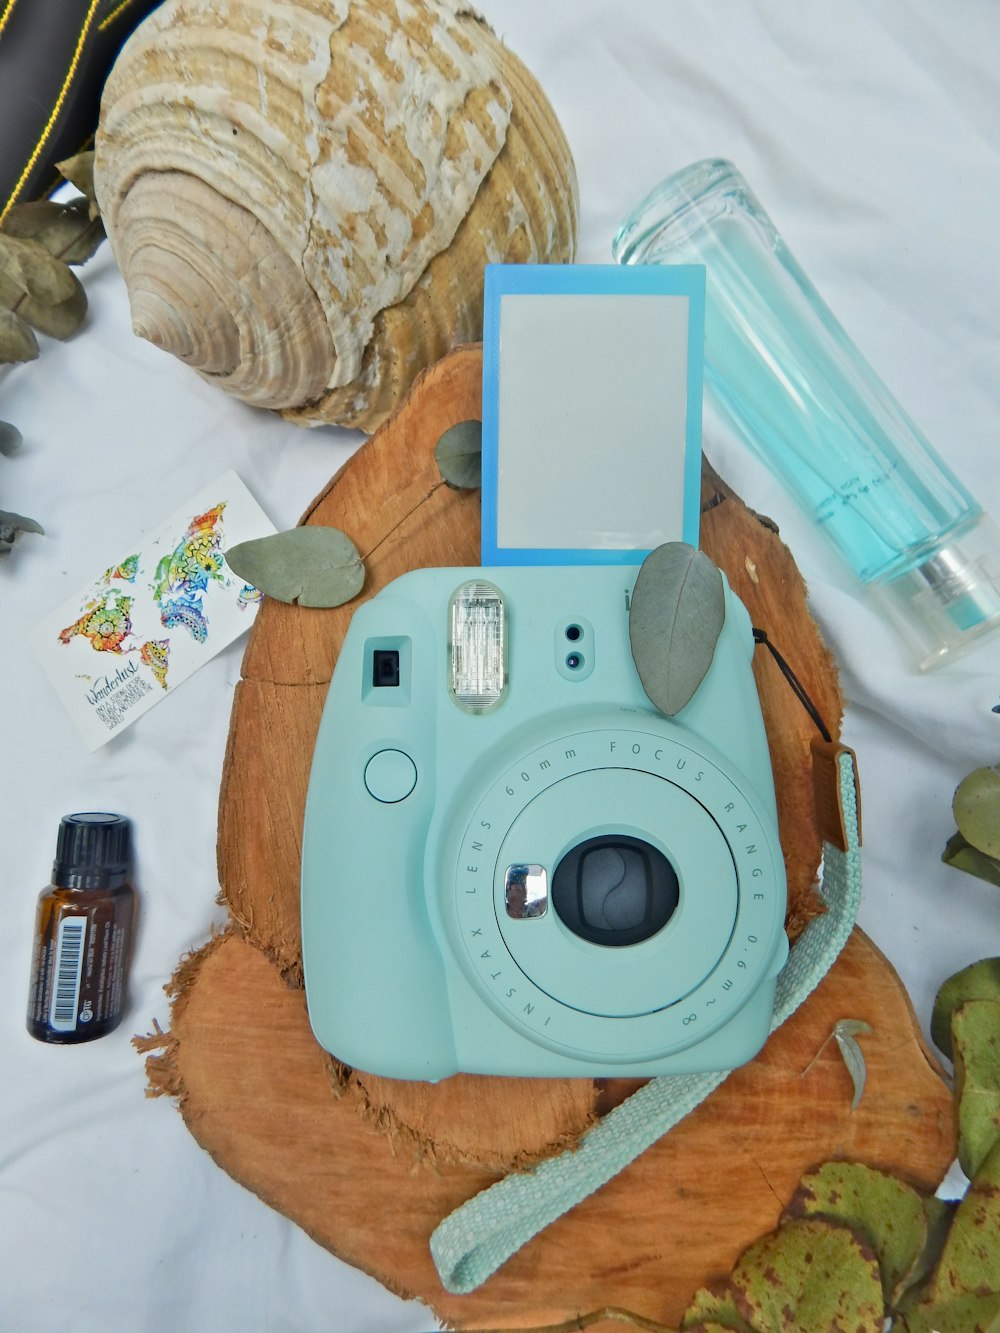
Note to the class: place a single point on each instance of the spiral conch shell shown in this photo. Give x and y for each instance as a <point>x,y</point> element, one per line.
<point>302,194</point>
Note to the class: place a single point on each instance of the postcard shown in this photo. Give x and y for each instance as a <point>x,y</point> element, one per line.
<point>158,612</point>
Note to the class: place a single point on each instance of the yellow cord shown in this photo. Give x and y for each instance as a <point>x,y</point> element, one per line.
<point>7,10</point>
<point>63,91</point>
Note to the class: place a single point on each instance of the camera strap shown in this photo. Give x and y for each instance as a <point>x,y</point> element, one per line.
<point>474,1241</point>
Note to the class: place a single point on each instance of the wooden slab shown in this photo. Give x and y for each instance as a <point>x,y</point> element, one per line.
<point>369,1166</point>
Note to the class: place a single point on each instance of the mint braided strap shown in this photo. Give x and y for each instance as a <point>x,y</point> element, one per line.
<point>481,1235</point>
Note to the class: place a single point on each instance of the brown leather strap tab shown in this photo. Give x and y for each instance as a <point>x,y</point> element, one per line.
<point>826,791</point>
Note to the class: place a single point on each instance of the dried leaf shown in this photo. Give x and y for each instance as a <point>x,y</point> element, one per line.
<point>975,1038</point>
<point>27,269</point>
<point>978,981</point>
<point>811,1276</point>
<point>961,855</point>
<point>312,566</point>
<point>10,438</point>
<point>40,288</point>
<point>970,1260</point>
<point>459,455</point>
<point>66,230</point>
<point>890,1216</point>
<point>976,807</point>
<point>677,612</point>
<point>17,342</point>
<point>79,171</point>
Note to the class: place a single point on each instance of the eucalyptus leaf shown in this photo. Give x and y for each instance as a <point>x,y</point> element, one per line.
<point>846,1032</point>
<point>17,342</point>
<point>961,855</point>
<point>10,438</point>
<point>11,525</point>
<point>66,230</point>
<point>459,455</point>
<point>676,615</point>
<point>975,1037</point>
<point>889,1215</point>
<point>976,807</point>
<point>978,981</point>
<point>970,1259</point>
<point>312,566</point>
<point>810,1276</point>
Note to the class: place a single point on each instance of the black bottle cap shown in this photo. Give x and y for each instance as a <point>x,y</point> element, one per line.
<point>93,851</point>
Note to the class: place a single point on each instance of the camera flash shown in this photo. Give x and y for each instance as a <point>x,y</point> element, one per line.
<point>477,666</point>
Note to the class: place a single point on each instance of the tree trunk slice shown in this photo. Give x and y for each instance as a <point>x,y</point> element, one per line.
<point>259,1094</point>
<point>369,1166</point>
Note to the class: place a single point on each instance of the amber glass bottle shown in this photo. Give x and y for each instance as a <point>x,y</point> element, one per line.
<point>83,932</point>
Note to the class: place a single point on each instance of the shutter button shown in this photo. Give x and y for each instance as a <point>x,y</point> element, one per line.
<point>390,776</point>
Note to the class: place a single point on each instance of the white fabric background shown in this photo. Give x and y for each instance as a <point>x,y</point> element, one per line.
<point>871,132</point>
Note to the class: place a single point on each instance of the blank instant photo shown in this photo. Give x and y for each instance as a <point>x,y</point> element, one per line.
<point>592,384</point>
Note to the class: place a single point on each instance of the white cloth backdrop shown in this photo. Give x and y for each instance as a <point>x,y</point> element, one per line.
<point>871,132</point>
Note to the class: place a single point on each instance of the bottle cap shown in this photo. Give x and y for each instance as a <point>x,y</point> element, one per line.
<point>948,599</point>
<point>93,851</point>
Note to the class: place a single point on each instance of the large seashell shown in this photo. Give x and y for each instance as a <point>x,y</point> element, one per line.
<point>302,194</point>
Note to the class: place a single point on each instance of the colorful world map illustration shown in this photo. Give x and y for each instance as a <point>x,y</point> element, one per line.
<point>180,583</point>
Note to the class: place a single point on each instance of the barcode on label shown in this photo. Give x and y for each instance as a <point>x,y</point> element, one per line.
<point>68,968</point>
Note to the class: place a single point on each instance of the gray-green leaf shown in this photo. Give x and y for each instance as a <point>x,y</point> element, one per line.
<point>79,171</point>
<point>312,566</point>
<point>845,1032</point>
<point>978,981</point>
<point>11,525</point>
<point>977,810</point>
<point>677,612</point>
<point>459,455</point>
<point>42,289</point>
<point>17,342</point>
<point>10,438</point>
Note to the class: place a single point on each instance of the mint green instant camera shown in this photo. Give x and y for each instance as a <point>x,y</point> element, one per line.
<point>512,863</point>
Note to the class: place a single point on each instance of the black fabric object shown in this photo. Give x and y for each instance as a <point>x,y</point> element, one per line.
<point>54,58</point>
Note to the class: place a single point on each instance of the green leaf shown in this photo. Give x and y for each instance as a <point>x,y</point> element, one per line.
<point>887,1214</point>
<point>970,1260</point>
<point>66,230</point>
<point>677,612</point>
<point>710,1310</point>
<point>975,1039</point>
<point>976,807</point>
<point>312,566</point>
<point>965,1314</point>
<point>978,981</point>
<point>961,855</point>
<point>845,1032</point>
<point>10,438</point>
<point>459,455</point>
<point>810,1276</point>
<point>17,342</point>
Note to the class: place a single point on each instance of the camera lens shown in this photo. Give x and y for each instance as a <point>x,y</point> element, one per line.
<point>615,890</point>
<point>574,661</point>
<point>574,633</point>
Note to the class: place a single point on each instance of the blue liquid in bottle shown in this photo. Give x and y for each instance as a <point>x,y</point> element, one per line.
<point>810,406</point>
